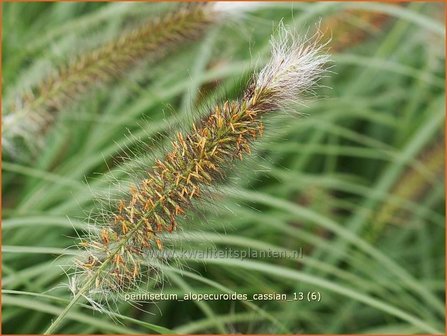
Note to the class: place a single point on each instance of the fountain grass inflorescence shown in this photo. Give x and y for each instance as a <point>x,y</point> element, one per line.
<point>115,254</point>
<point>33,113</point>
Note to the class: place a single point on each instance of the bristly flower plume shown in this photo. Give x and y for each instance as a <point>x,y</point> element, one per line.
<point>115,257</point>
<point>27,119</point>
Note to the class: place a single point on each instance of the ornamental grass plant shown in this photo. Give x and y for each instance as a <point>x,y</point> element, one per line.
<point>271,127</point>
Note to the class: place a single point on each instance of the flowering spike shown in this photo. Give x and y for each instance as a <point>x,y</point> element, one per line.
<point>197,160</point>
<point>30,118</point>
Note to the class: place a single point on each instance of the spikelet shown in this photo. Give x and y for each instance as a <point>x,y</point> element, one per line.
<point>33,113</point>
<point>113,259</point>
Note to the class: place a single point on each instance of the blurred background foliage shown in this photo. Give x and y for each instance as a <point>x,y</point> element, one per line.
<point>357,182</point>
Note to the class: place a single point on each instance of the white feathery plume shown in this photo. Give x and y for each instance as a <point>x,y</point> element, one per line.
<point>295,66</point>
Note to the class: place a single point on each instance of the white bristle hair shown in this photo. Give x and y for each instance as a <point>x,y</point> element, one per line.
<point>295,66</point>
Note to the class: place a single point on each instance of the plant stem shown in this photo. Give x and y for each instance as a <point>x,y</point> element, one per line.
<point>50,330</point>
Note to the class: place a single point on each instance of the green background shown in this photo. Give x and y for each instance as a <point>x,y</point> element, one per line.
<point>357,181</point>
